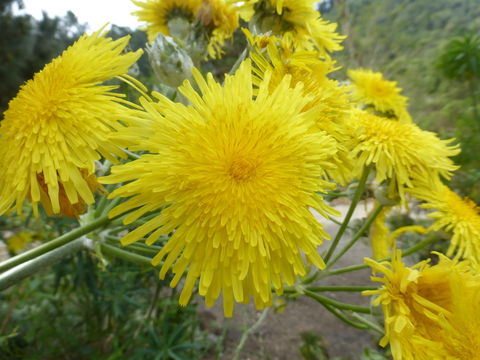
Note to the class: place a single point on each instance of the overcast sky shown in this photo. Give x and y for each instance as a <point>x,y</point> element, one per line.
<point>94,12</point>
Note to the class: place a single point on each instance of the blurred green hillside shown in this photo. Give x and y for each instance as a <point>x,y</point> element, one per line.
<point>405,39</point>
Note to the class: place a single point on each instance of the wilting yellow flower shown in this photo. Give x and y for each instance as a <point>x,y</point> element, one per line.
<point>278,58</point>
<point>158,13</point>
<point>235,177</point>
<point>431,312</point>
<point>400,152</point>
<point>379,235</point>
<point>382,239</point>
<point>370,88</point>
<point>209,21</point>
<point>296,20</point>
<point>60,123</point>
<point>461,217</point>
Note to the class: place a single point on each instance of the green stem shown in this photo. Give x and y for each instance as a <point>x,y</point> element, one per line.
<point>33,266</point>
<point>339,305</point>
<point>132,155</point>
<point>101,205</point>
<point>53,244</point>
<point>141,250</point>
<point>342,317</point>
<point>337,222</point>
<point>356,198</point>
<point>112,204</point>
<point>240,59</point>
<point>409,251</point>
<point>370,324</point>
<point>247,333</point>
<point>345,270</point>
<point>341,288</point>
<point>358,235</point>
<point>126,255</point>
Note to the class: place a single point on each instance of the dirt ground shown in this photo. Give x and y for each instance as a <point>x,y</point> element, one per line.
<point>278,338</point>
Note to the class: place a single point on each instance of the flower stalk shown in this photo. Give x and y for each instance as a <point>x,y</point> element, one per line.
<point>53,244</point>
<point>356,198</point>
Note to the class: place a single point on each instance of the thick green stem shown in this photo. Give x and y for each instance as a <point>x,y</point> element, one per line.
<point>358,235</point>
<point>356,198</point>
<point>339,305</point>
<point>341,288</point>
<point>31,267</point>
<point>53,244</point>
<point>409,251</point>
<point>126,255</point>
<point>101,206</point>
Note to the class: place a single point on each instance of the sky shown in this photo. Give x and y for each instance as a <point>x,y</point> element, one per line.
<point>94,12</point>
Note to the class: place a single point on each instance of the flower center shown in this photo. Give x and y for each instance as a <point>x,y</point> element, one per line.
<point>380,90</point>
<point>242,169</point>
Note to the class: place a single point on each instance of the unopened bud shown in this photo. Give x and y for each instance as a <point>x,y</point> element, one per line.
<point>171,63</point>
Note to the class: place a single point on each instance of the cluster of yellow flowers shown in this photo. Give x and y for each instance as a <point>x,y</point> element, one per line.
<point>234,175</point>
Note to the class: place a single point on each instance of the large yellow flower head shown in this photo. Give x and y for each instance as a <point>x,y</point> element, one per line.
<point>400,152</point>
<point>212,21</point>
<point>60,123</point>
<point>431,312</point>
<point>371,89</point>
<point>297,21</point>
<point>235,177</point>
<point>461,217</point>
<point>274,56</point>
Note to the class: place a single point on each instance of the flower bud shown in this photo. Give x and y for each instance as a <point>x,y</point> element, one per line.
<point>171,63</point>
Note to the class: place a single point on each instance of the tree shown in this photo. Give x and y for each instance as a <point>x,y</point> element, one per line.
<point>461,61</point>
<point>27,44</point>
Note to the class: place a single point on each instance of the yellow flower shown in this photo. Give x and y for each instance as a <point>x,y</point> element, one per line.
<point>431,312</point>
<point>212,21</point>
<point>60,123</point>
<point>461,217</point>
<point>278,58</point>
<point>370,88</point>
<point>19,241</point>
<point>379,235</point>
<point>158,13</point>
<point>400,153</point>
<point>382,239</point>
<point>235,176</point>
<point>297,21</point>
